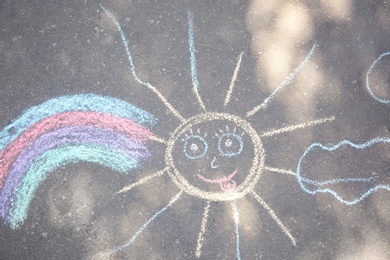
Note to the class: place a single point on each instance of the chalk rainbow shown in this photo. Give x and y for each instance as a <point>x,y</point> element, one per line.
<point>64,130</point>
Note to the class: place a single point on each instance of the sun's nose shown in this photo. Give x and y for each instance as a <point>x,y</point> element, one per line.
<point>214,163</point>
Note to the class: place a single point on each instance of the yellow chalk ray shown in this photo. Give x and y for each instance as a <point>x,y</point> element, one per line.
<point>233,80</point>
<point>141,181</point>
<point>202,231</point>
<point>295,127</point>
<point>275,218</point>
<point>278,170</point>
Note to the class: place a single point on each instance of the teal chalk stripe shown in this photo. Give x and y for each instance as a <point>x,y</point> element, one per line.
<point>82,102</point>
<point>52,159</point>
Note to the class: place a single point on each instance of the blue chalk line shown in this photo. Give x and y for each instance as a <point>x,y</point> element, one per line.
<point>236,220</point>
<point>191,44</point>
<point>384,101</point>
<point>290,77</point>
<point>132,67</point>
<point>303,181</point>
<point>126,45</point>
<point>131,240</point>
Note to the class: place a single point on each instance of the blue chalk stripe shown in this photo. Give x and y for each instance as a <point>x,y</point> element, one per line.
<point>82,102</point>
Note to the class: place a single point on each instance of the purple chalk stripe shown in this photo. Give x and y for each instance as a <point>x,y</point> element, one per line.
<point>69,135</point>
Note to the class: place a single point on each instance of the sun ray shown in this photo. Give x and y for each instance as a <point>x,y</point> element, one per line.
<point>194,75</point>
<point>132,67</point>
<point>278,170</point>
<point>275,218</point>
<point>142,181</point>
<point>158,139</point>
<point>139,231</point>
<point>284,83</point>
<point>299,126</point>
<point>234,78</point>
<point>199,242</point>
<point>236,222</point>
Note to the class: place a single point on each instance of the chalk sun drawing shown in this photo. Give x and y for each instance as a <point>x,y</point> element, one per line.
<point>214,157</point>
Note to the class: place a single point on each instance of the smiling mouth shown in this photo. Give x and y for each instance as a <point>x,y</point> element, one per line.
<point>226,183</point>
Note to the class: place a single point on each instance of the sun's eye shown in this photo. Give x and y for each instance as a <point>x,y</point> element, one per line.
<point>230,144</point>
<point>195,147</point>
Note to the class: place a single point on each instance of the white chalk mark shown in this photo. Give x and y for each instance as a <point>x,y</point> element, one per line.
<point>284,83</point>
<point>191,45</point>
<point>278,170</point>
<point>158,139</point>
<point>131,240</point>
<point>236,222</point>
<point>199,243</point>
<point>234,78</point>
<point>132,67</point>
<point>275,218</point>
<point>299,126</point>
<point>141,181</point>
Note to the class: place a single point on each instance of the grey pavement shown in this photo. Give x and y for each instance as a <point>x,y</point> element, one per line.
<point>55,48</point>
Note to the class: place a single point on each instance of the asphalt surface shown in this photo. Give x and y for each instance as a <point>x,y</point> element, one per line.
<point>61,48</point>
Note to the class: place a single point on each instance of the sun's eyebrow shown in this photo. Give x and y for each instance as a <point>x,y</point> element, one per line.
<point>228,131</point>
<point>191,132</point>
<point>220,131</point>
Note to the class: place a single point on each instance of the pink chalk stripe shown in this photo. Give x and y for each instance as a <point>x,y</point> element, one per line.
<point>67,119</point>
<point>218,180</point>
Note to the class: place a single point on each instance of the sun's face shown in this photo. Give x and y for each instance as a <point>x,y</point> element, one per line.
<point>215,156</point>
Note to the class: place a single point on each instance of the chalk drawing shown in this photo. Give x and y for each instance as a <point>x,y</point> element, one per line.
<point>132,67</point>
<point>287,81</point>
<point>234,78</point>
<point>211,156</point>
<point>214,156</point>
<point>194,74</point>
<point>199,243</point>
<point>131,240</point>
<point>382,100</point>
<point>63,130</point>
<point>236,226</point>
<point>318,186</point>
